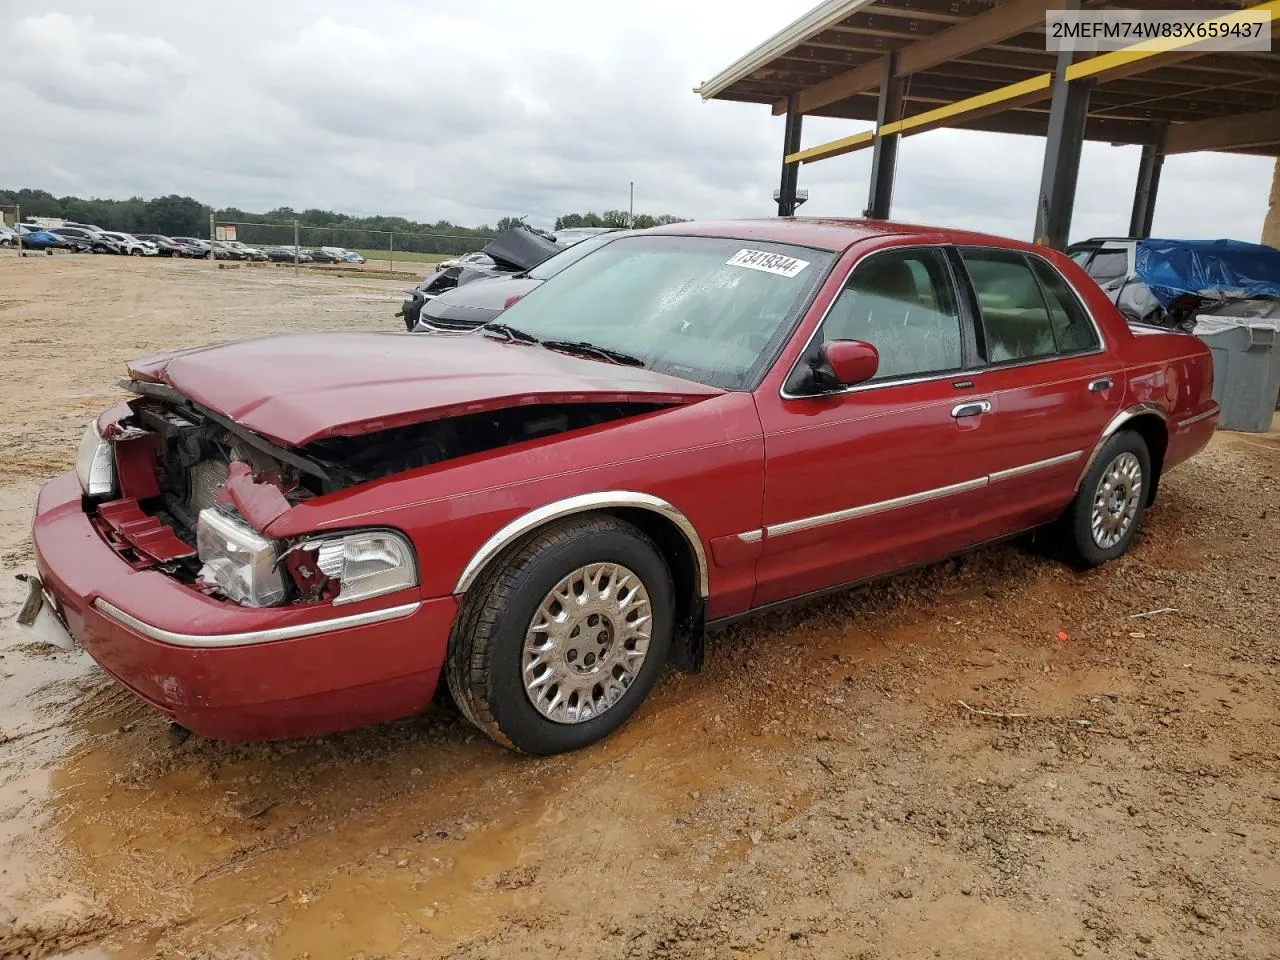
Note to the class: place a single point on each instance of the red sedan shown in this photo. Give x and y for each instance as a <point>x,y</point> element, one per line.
<point>299,534</point>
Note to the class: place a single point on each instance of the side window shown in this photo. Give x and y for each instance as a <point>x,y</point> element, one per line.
<point>903,304</point>
<point>1014,315</point>
<point>1071,326</point>
<point>1109,265</point>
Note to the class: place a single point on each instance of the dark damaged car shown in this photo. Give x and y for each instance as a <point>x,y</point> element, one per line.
<point>309,532</point>
<point>508,254</point>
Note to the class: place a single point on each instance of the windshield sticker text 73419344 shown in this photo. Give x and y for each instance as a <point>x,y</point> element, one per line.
<point>778,263</point>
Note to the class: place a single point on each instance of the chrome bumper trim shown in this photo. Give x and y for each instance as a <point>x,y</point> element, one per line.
<point>1198,417</point>
<point>291,632</point>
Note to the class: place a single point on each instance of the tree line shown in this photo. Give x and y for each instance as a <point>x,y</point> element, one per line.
<point>179,216</point>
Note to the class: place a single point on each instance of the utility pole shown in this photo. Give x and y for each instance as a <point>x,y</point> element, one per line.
<point>295,248</point>
<point>212,253</point>
<point>17,225</point>
<point>391,252</point>
<point>631,213</point>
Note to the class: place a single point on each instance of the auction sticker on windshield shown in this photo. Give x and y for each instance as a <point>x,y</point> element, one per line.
<point>778,263</point>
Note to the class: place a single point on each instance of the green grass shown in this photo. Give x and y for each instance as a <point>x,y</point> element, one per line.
<point>404,256</point>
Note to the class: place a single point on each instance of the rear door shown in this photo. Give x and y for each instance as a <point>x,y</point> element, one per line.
<point>1048,374</point>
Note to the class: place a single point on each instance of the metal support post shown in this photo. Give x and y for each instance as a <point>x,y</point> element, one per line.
<point>884,161</point>
<point>790,171</point>
<point>1068,111</point>
<point>1148,185</point>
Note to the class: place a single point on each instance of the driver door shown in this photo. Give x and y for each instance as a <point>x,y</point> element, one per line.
<point>889,473</point>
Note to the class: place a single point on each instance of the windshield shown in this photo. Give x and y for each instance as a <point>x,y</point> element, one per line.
<point>701,308</point>
<point>566,258</point>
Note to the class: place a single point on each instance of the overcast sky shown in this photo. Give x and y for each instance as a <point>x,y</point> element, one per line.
<point>468,112</point>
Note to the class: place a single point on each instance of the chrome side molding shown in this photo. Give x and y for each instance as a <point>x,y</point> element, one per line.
<point>1032,467</point>
<point>867,509</point>
<point>584,503</point>
<point>821,520</point>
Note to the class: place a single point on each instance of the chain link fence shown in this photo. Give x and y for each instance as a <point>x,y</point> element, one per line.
<point>301,244</point>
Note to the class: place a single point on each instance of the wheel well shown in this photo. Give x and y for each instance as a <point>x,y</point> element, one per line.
<point>688,641</point>
<point>687,646</point>
<point>1155,434</point>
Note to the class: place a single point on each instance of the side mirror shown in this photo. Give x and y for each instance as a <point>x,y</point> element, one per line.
<point>852,361</point>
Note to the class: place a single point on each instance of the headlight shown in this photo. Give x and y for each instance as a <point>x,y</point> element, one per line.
<point>239,561</point>
<point>366,564</point>
<point>95,464</point>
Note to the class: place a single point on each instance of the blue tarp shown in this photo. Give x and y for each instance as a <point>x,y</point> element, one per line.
<point>1216,269</point>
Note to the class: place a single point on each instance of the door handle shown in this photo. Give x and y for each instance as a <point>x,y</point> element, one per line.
<point>971,409</point>
<point>1099,385</point>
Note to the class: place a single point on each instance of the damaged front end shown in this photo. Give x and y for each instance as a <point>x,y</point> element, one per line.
<point>173,486</point>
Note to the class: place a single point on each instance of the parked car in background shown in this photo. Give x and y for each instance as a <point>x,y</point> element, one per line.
<point>34,238</point>
<point>1172,283</point>
<point>308,532</point>
<point>130,245</point>
<point>167,246</point>
<point>86,238</point>
<point>511,252</point>
<point>476,303</point>
<point>246,252</point>
<point>222,250</point>
<point>197,244</point>
<point>286,255</point>
<point>344,255</point>
<point>468,260</point>
<point>323,255</point>
<point>8,237</point>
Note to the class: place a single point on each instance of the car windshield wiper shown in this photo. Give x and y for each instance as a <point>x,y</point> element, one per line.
<point>510,334</point>
<point>591,350</point>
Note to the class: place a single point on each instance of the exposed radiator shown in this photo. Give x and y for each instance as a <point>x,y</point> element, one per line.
<point>203,482</point>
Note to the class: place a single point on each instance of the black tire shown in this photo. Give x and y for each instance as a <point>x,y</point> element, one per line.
<point>484,666</point>
<point>1080,546</point>
<point>135,252</point>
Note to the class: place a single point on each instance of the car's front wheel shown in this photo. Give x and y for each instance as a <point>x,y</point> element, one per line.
<point>1103,519</point>
<point>559,645</point>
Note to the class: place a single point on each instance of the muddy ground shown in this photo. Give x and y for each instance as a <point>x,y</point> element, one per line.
<point>992,758</point>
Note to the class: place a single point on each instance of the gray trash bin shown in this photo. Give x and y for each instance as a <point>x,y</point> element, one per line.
<point>1246,368</point>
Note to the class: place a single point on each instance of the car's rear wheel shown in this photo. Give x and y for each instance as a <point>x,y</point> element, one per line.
<point>1103,519</point>
<point>561,643</point>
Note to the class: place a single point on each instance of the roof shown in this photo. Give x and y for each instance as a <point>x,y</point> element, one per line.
<point>951,50</point>
<point>828,233</point>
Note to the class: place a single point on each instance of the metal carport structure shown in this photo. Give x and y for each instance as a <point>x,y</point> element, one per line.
<point>916,65</point>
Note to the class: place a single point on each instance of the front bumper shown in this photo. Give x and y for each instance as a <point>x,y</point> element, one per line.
<point>232,672</point>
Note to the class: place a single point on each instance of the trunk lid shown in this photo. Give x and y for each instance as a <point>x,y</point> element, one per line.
<point>297,388</point>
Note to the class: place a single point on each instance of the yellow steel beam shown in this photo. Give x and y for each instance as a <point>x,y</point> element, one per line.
<point>834,148</point>
<point>1117,62</point>
<point>1022,92</point>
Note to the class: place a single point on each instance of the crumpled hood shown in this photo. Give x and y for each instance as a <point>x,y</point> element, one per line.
<point>297,388</point>
<point>519,249</point>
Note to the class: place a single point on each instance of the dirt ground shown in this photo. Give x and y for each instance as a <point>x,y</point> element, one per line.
<point>995,757</point>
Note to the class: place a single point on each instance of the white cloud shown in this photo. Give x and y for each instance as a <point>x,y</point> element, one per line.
<point>470,113</point>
